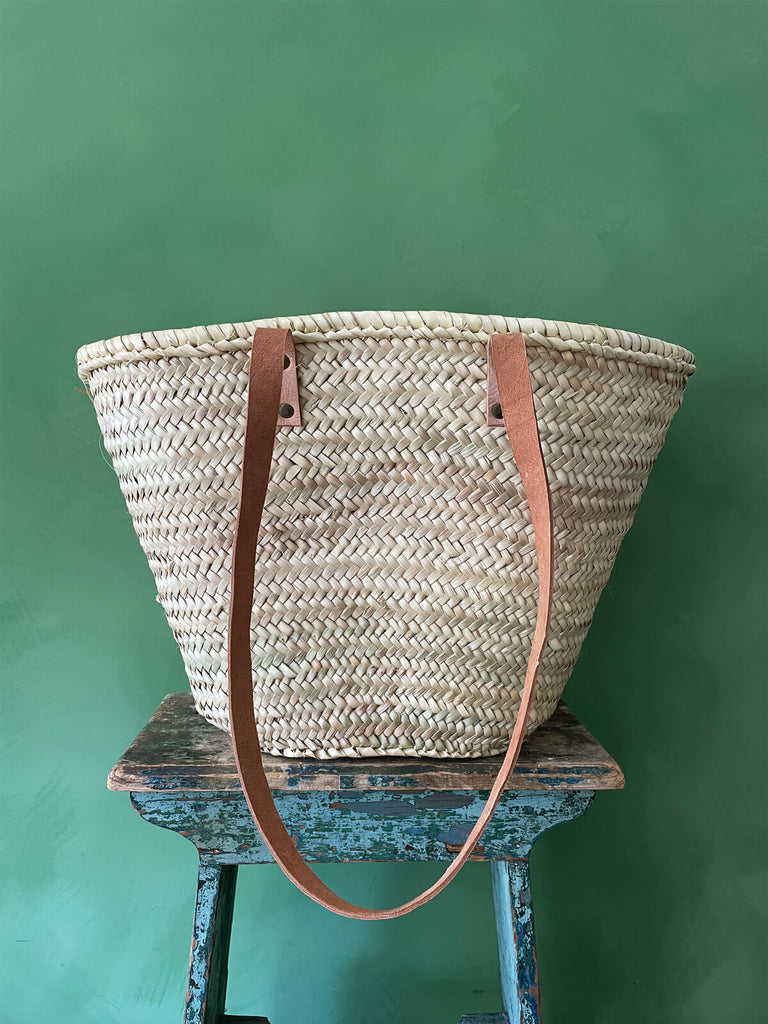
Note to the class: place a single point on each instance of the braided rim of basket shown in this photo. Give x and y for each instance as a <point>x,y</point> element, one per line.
<point>600,342</point>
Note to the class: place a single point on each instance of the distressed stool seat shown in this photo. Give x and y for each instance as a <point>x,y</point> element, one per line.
<point>181,775</point>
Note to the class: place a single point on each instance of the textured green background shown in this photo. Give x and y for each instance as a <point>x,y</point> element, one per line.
<point>169,164</point>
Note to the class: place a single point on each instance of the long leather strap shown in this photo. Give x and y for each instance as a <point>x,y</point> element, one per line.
<point>263,399</point>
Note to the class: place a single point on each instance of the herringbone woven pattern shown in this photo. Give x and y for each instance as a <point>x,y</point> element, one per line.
<point>396,579</point>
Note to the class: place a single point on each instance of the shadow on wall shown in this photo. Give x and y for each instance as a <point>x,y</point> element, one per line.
<point>432,966</point>
<point>663,681</point>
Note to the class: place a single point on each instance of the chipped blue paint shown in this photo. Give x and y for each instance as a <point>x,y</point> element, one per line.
<point>206,988</point>
<point>518,968</point>
<point>405,805</point>
<point>329,827</point>
<point>371,825</point>
<point>545,777</point>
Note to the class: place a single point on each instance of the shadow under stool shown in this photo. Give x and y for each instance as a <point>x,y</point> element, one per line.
<point>181,774</point>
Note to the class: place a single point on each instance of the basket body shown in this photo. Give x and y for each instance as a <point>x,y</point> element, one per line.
<point>396,576</point>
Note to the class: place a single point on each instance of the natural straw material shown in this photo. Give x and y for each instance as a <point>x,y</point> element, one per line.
<point>396,576</point>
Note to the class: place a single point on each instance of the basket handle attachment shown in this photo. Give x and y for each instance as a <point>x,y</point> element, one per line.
<point>266,370</point>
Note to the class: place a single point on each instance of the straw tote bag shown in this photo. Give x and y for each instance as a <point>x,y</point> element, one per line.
<point>437,498</point>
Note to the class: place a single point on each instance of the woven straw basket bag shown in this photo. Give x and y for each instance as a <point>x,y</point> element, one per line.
<point>438,507</point>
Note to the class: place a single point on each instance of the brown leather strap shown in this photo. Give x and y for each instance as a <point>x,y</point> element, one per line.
<point>263,398</point>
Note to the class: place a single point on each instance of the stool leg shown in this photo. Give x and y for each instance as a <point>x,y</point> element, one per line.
<point>209,957</point>
<point>513,907</point>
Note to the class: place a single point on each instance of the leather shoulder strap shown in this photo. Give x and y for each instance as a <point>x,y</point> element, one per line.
<point>266,370</point>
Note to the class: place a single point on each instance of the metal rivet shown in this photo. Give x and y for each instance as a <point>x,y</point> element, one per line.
<point>496,412</point>
<point>286,362</point>
<point>286,411</point>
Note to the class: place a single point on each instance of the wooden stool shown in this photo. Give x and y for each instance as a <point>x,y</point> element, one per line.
<point>181,775</point>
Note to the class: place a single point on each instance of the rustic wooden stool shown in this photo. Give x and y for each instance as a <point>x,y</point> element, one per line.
<point>181,775</point>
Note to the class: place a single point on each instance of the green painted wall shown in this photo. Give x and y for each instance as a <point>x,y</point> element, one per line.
<point>169,164</point>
